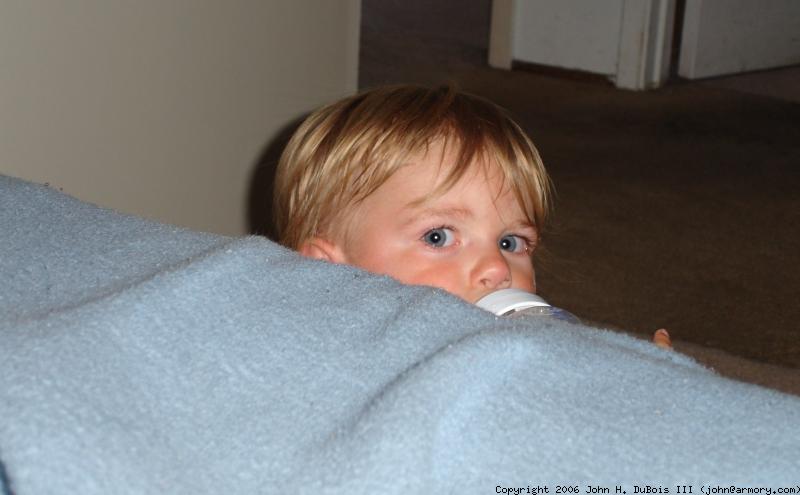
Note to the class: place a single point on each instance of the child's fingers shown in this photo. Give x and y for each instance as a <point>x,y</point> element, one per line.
<point>661,339</point>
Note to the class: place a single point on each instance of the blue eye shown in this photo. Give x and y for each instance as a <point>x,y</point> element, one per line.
<point>512,243</point>
<point>441,237</point>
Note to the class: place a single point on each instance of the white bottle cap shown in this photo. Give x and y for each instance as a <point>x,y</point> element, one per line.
<point>505,301</point>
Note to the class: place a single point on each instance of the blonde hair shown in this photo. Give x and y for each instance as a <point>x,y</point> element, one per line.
<point>343,152</point>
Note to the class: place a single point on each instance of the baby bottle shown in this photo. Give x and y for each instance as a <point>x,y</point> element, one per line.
<point>516,303</point>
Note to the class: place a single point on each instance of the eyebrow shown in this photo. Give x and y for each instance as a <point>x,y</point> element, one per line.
<point>423,213</point>
<point>459,213</point>
<point>522,224</point>
<point>445,212</point>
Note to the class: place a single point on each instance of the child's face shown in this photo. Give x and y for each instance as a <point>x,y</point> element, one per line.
<point>469,241</point>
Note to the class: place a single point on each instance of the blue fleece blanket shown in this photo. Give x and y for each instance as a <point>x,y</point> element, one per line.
<point>139,358</point>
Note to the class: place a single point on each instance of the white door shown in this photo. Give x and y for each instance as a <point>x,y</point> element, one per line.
<point>628,41</point>
<point>730,36</point>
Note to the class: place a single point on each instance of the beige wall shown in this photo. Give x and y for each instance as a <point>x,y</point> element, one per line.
<point>161,108</point>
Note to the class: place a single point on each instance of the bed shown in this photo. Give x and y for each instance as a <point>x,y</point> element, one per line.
<point>139,357</point>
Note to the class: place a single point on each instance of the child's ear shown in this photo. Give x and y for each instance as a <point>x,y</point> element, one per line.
<point>322,249</point>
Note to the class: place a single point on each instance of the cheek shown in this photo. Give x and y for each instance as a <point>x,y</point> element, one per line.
<point>373,250</point>
<point>523,277</point>
<point>421,271</point>
<point>397,261</point>
<point>375,263</point>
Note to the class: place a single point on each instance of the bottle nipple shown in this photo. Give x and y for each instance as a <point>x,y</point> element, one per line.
<point>517,302</point>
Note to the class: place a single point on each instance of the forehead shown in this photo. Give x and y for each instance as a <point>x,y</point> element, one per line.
<point>442,170</point>
<point>425,185</point>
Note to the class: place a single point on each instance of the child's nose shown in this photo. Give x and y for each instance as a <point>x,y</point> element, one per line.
<point>492,271</point>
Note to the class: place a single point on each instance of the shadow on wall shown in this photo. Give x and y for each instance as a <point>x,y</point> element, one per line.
<point>262,182</point>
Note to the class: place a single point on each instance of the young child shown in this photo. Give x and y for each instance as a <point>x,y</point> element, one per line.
<point>429,186</point>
